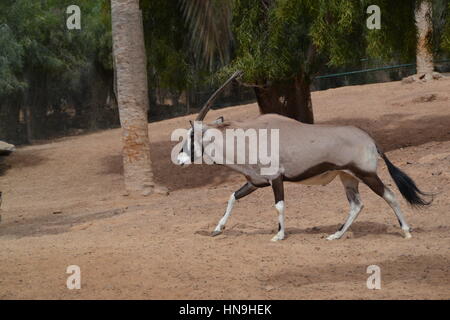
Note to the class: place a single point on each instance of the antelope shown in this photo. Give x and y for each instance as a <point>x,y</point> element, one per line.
<point>312,155</point>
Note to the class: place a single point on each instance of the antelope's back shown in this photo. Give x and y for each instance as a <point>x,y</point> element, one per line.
<point>303,146</point>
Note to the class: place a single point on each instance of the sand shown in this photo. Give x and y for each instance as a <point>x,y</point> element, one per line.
<point>63,204</point>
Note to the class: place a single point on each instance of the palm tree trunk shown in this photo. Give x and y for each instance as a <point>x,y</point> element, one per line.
<point>132,94</point>
<point>424,57</point>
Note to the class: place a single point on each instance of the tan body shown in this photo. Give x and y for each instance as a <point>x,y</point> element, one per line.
<point>310,154</point>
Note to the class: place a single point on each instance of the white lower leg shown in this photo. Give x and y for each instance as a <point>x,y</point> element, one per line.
<point>354,211</point>
<point>227,214</point>
<point>280,208</point>
<point>356,206</point>
<point>390,199</point>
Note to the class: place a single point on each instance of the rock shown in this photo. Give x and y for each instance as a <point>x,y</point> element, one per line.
<point>158,189</point>
<point>6,148</point>
<point>348,235</point>
<point>408,80</point>
<point>437,75</point>
<point>422,77</point>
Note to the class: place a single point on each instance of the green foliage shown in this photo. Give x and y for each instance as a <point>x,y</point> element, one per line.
<point>278,39</point>
<point>338,30</point>
<point>10,62</point>
<point>177,60</point>
<point>210,29</point>
<point>37,40</point>
<point>396,40</point>
<point>166,43</point>
<point>44,66</point>
<point>443,23</point>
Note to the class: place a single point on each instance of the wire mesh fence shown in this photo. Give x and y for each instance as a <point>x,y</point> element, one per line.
<point>368,72</point>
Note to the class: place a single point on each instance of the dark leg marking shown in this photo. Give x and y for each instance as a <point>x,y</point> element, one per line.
<point>245,190</point>
<point>278,189</point>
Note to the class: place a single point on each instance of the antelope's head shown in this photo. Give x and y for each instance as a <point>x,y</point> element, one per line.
<point>193,146</point>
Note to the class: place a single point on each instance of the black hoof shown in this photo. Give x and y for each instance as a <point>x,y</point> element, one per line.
<point>215,233</point>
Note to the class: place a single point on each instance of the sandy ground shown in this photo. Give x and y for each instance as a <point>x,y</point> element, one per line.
<point>64,205</point>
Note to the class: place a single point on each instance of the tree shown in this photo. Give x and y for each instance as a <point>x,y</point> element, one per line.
<point>423,18</point>
<point>46,69</point>
<point>411,30</point>
<point>10,85</point>
<point>132,93</point>
<point>445,42</point>
<point>280,46</point>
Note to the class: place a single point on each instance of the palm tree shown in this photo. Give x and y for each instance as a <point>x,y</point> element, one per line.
<point>132,94</point>
<point>423,17</point>
<point>424,55</point>
<point>210,25</point>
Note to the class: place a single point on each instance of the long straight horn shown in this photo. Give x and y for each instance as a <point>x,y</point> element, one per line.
<point>201,115</point>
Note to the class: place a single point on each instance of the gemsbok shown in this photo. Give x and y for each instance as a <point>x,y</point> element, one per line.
<point>312,155</point>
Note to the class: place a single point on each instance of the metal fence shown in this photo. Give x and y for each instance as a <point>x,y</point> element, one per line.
<point>372,72</point>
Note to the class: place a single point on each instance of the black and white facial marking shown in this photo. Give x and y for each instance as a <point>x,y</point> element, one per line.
<point>190,150</point>
<point>193,147</point>
<point>184,154</point>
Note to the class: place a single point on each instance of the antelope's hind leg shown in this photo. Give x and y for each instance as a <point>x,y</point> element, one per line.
<point>245,190</point>
<point>351,189</point>
<point>377,186</point>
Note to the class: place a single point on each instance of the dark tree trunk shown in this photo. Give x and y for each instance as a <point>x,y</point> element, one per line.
<point>35,108</point>
<point>268,99</point>
<point>100,88</point>
<point>9,119</point>
<point>38,106</point>
<point>299,105</point>
<point>291,98</point>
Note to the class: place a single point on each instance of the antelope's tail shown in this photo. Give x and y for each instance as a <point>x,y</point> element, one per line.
<point>406,185</point>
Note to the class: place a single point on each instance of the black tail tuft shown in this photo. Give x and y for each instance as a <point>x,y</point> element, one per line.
<point>407,186</point>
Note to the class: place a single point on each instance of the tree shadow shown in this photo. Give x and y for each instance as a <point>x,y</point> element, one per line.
<point>395,131</point>
<point>430,269</point>
<point>19,160</point>
<point>59,223</point>
<point>170,175</point>
<point>177,177</point>
<point>3,166</point>
<point>358,229</point>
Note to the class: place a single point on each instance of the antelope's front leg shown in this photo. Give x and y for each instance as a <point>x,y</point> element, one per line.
<point>242,192</point>
<point>221,225</point>
<point>278,190</point>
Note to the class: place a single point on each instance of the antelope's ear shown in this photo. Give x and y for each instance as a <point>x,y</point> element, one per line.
<point>219,120</point>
